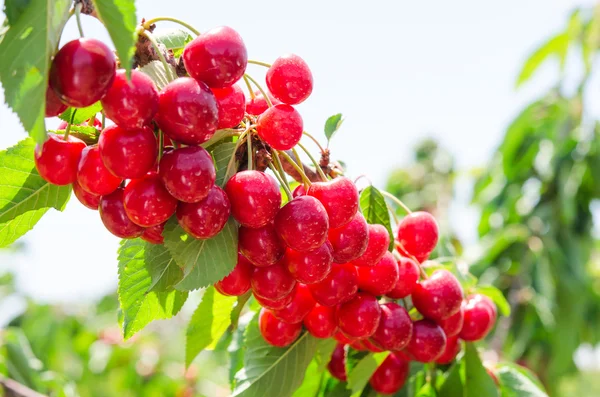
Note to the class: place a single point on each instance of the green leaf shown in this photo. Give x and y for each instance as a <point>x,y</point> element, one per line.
<point>157,73</point>
<point>13,9</point>
<point>496,296</point>
<point>81,114</point>
<point>427,391</point>
<point>361,373</point>
<point>333,124</point>
<point>237,310</point>
<point>453,384</point>
<point>312,381</point>
<point>173,39</point>
<point>209,322</point>
<point>375,210</point>
<point>515,383</point>
<point>24,196</point>
<point>26,49</point>
<point>21,363</point>
<point>204,262</point>
<point>139,305</point>
<point>162,268</point>
<point>478,382</point>
<point>221,155</point>
<point>556,45</point>
<point>325,349</point>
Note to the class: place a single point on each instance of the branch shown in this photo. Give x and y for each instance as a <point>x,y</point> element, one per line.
<point>291,171</point>
<point>12,388</point>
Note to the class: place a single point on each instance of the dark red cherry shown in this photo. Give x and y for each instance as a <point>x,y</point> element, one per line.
<point>257,105</point>
<point>275,304</point>
<point>371,346</point>
<point>280,126</point>
<point>439,296</point>
<point>54,106</point>
<point>395,327</point>
<point>480,317</point>
<point>377,246</point>
<point>358,345</point>
<point>408,275</point>
<point>359,317</point>
<point>112,213</point>
<point>261,246</point>
<point>188,173</point>
<point>232,105</point>
<point>418,234</point>
<point>339,197</point>
<point>273,282</point>
<point>237,282</point>
<point>147,202</point>
<point>428,341</point>
<point>349,241</point>
<point>321,321</point>
<point>154,234</point>
<point>56,160</point>
<point>301,304</point>
<point>82,72</point>
<point>453,324</point>
<point>206,218</point>
<point>88,199</point>
<point>255,198</point>
<point>299,191</point>
<point>290,79</point>
<point>381,278</point>
<point>450,351</point>
<point>342,338</point>
<point>92,174</point>
<point>309,267</point>
<point>339,286</point>
<point>302,224</point>
<point>391,375</point>
<point>276,332</point>
<point>337,364</point>
<point>128,154</point>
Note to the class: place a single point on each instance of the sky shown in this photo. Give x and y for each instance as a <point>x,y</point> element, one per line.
<point>399,71</point>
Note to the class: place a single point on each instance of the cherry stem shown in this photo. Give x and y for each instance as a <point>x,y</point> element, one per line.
<point>161,56</point>
<point>423,272</point>
<point>314,161</point>
<point>161,144</point>
<point>250,154</point>
<point>296,166</point>
<point>170,19</point>
<point>103,120</point>
<point>78,7</point>
<point>283,178</point>
<point>283,184</point>
<point>314,140</point>
<point>232,160</point>
<point>397,201</point>
<point>250,90</point>
<point>365,177</point>
<point>266,65</point>
<point>262,91</point>
<point>68,130</point>
<point>391,211</point>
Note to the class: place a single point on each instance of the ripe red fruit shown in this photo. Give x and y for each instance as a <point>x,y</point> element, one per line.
<point>187,111</point>
<point>301,304</point>
<point>56,160</point>
<point>395,327</point>
<point>54,106</point>
<point>147,202</point>
<point>480,317</point>
<point>257,105</point>
<point>128,154</point>
<point>273,282</point>
<point>302,224</point>
<point>321,321</point>
<point>255,198</point>
<point>261,246</point>
<point>349,241</point>
<point>381,278</point>
<point>237,282</point>
<point>439,296</point>
<point>450,351</point>
<point>290,79</point>
<point>371,346</point>
<point>337,364</point>
<point>453,324</point>
<point>131,104</point>
<point>188,173</point>
<point>277,304</point>
<point>309,267</point>
<point>408,275</point>
<point>217,57</point>
<point>206,218</point>
<point>428,341</point>
<point>299,191</point>
<point>154,234</point>
<point>418,233</point>
<point>339,286</point>
<point>359,317</point>
<point>358,345</point>
<point>339,197</point>
<point>280,126</point>
<point>378,243</point>
<point>114,218</point>
<point>88,199</point>
<point>232,105</point>
<point>82,72</point>
<point>92,174</point>
<point>276,332</point>
<point>341,338</point>
<point>391,375</point>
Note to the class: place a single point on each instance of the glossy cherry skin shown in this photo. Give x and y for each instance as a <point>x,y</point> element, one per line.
<point>408,275</point>
<point>188,173</point>
<point>54,106</point>
<point>309,267</point>
<point>302,224</point>
<point>82,72</point>
<point>273,282</point>
<point>131,104</point>
<point>339,286</point>
<point>232,105</point>
<point>339,197</point>
<point>257,105</point>
<point>349,241</point>
<point>206,218</point>
<point>341,338</point>
<point>391,375</point>
<point>89,200</point>
<point>418,233</point>
<point>217,57</point>
<point>299,191</point>
<point>289,79</point>
<point>358,345</point>
<point>439,296</point>
<point>92,174</point>
<point>301,304</point>
<point>128,154</point>
<point>276,332</point>
<point>371,346</point>
<point>453,324</point>
<point>381,278</point>
<point>395,327</point>
<point>187,111</point>
<point>114,218</point>
<point>480,317</point>
<point>56,160</point>
<point>450,351</point>
<point>277,304</point>
<point>255,198</point>
<point>154,234</point>
<point>147,202</point>
<point>428,341</point>
<point>359,317</point>
<point>261,246</point>
<point>377,246</point>
<point>237,282</point>
<point>280,126</point>
<point>337,364</point>
<point>321,321</point>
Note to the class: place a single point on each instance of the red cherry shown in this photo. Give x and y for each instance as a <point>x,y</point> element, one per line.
<point>359,317</point>
<point>337,364</point>
<point>82,72</point>
<point>395,327</point>
<point>309,267</point>
<point>391,375</point>
<point>237,282</point>
<point>349,241</point>
<point>273,282</point>
<point>299,191</point>
<point>147,202</point>
<point>257,105</point>
<point>341,338</point>
<point>480,317</point>
<point>131,103</point>
<point>378,243</point>
<point>280,126</point>
<point>217,57</point>
<point>408,275</point>
<point>187,111</point>
<point>339,197</point>
<point>403,354</point>
<point>128,154</point>
<point>339,286</point>
<point>92,174</point>
<point>453,324</point>
<point>302,303</point>
<point>255,198</point>
<point>370,346</point>
<point>358,345</point>
<point>57,159</point>
<point>54,106</point>
<point>290,79</point>
<point>88,199</point>
<point>206,218</point>
<point>276,304</point>
<point>188,173</point>
<point>261,246</point>
<point>276,332</point>
<point>154,234</point>
<point>450,351</point>
<point>418,233</point>
<point>381,278</point>
<point>302,224</point>
<point>428,341</point>
<point>232,105</point>
<point>112,213</point>
<point>321,321</point>
<point>439,296</point>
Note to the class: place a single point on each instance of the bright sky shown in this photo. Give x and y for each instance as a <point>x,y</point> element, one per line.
<point>397,70</point>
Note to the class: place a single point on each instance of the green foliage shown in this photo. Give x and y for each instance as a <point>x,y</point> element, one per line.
<point>173,39</point>
<point>332,125</point>
<point>157,73</point>
<point>359,376</point>
<point>375,210</point>
<point>161,266</point>
<point>81,114</point>
<point>221,155</point>
<point>496,296</point>
<point>517,382</point>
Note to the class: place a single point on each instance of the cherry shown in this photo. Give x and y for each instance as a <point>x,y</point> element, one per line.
<point>56,160</point>
<point>92,174</point>
<point>428,341</point>
<point>290,79</point>
<point>418,234</point>
<point>188,173</point>
<point>377,246</point>
<point>302,224</point>
<point>280,126</point>
<point>342,338</point>
<point>381,278</point>
<point>453,324</point>
<point>54,106</point>
<point>408,275</point>
<point>131,103</point>
<point>261,246</point>
<point>480,316</point>
<point>237,282</point>
<point>257,105</point>
<point>82,72</point>
<point>114,217</point>
<point>439,296</point>
<point>339,197</point>
<point>299,191</point>
<point>187,111</point>
<point>450,351</point>
<point>276,332</point>
<point>232,105</point>
<point>154,234</point>
<point>391,374</point>
<point>337,363</point>
<point>371,346</point>
<point>128,154</point>
<point>339,286</point>
<point>321,321</point>
<point>309,267</point>
<point>217,57</point>
<point>349,241</point>
<point>255,198</point>
<point>358,345</point>
<point>302,303</point>
<point>206,218</point>
<point>147,202</point>
<point>277,304</point>
<point>395,327</point>
<point>88,199</point>
<point>273,282</point>
<point>359,317</point>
